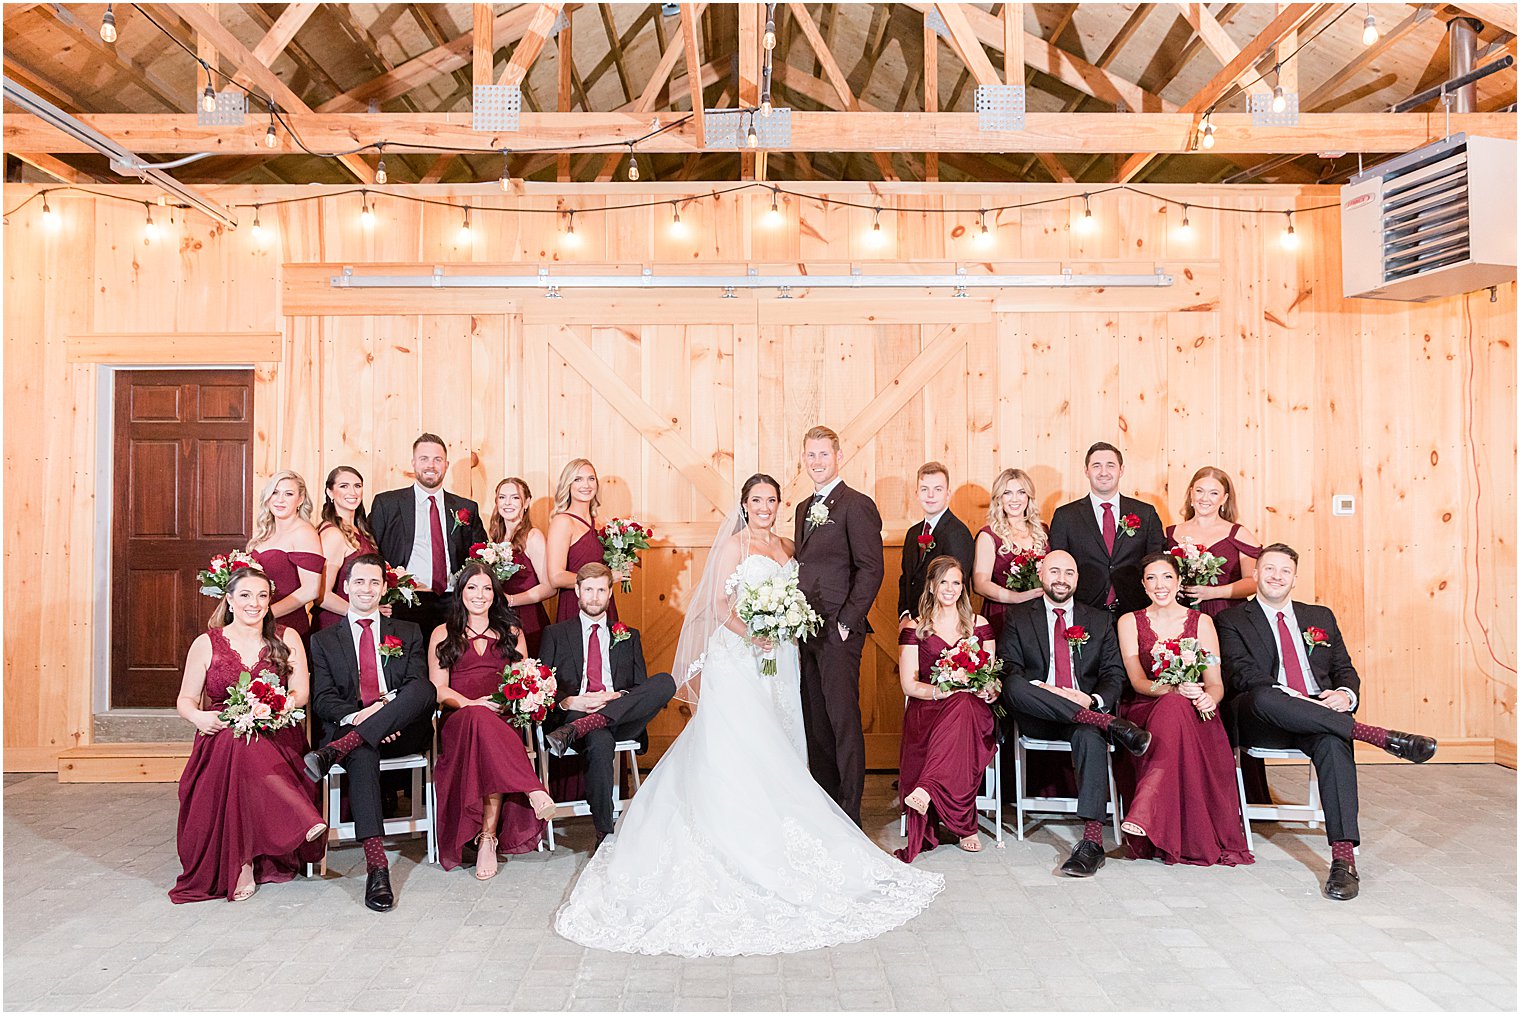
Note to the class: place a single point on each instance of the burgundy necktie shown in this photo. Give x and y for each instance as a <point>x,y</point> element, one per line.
<point>1062,649</point>
<point>1110,536</point>
<point>440,558</point>
<point>1291,670</point>
<point>369,668</point>
<point>594,662</point>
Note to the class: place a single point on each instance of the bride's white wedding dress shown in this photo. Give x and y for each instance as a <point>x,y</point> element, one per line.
<point>730,847</point>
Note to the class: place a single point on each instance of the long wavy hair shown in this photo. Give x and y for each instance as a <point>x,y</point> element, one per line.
<point>276,651</point>
<point>998,520</point>
<point>927,600</point>
<point>1227,509</point>
<point>496,529</point>
<point>562,488</point>
<point>501,617</point>
<point>330,514</point>
<point>263,524</point>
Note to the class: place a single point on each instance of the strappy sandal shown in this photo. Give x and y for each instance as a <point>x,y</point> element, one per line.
<point>486,864</point>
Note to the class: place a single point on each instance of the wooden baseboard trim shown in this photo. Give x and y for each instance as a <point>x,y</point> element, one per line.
<point>159,762</point>
<point>32,759</point>
<point>1504,752</point>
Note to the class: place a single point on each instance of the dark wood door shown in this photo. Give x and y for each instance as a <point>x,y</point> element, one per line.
<point>182,493</point>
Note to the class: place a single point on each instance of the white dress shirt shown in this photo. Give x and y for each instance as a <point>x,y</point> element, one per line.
<point>933,520</point>
<point>604,639</point>
<point>1070,606</point>
<point>420,563</point>
<point>1097,507</point>
<point>1299,646</point>
<point>822,493</point>
<point>357,633</point>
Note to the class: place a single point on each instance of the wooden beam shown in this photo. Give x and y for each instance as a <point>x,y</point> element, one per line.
<point>652,91</point>
<point>836,76</point>
<point>1331,86</point>
<point>750,17</point>
<point>1285,76</point>
<point>691,47</point>
<point>931,92</point>
<point>141,74</point>
<point>284,29</point>
<point>534,37</point>
<point>966,44</point>
<point>482,45</point>
<point>1218,40</point>
<point>297,53</point>
<point>1497,15</point>
<point>615,45</point>
<point>252,74</point>
<point>56,168</point>
<point>564,52</point>
<point>1013,43</point>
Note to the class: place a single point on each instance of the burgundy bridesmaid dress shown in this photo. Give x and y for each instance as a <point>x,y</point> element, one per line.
<point>946,747</point>
<point>480,753</point>
<point>1185,795</point>
<point>1232,549</point>
<point>321,617</point>
<point>533,617</point>
<point>1002,563</point>
<point>582,552</point>
<point>242,800</point>
<point>284,569</point>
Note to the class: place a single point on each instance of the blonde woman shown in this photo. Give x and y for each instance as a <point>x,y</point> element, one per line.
<point>572,541</point>
<point>1210,521</point>
<point>1013,527</point>
<point>288,549</point>
<point>525,590</point>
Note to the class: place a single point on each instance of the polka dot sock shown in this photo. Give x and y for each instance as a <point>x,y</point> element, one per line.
<point>586,723</point>
<point>1088,717</point>
<point>374,855</point>
<point>1343,851</point>
<point>1092,831</point>
<point>1377,736</point>
<point>346,743</point>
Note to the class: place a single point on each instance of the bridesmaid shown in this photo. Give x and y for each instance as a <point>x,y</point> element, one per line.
<point>1013,525</point>
<point>948,740</point>
<point>525,591</point>
<point>246,815</point>
<point>1208,519</point>
<point>572,539</point>
<point>288,549</point>
<point>488,793</point>
<point>1185,808</point>
<point>345,535</point>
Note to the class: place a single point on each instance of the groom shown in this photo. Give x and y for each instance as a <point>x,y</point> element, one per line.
<point>838,536</point>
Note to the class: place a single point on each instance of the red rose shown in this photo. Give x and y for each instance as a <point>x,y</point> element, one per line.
<point>539,715</point>
<point>1178,551</point>
<point>279,703</point>
<point>1318,634</point>
<point>475,549</point>
<point>258,688</point>
<point>1076,632</point>
<point>514,691</point>
<point>620,628</point>
<point>464,516</point>
<point>391,641</point>
<point>1133,521</point>
<point>544,673</point>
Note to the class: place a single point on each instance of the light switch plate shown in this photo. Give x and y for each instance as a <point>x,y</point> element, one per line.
<point>1342,504</point>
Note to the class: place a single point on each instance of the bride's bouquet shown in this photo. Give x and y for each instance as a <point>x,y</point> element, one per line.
<point>773,608</point>
<point>622,539</point>
<point>1178,661</point>
<point>526,691</point>
<point>259,706</point>
<point>965,666</point>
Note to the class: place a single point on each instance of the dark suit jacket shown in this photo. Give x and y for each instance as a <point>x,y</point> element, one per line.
<point>335,667</point>
<point>951,539</point>
<point>562,650</point>
<point>842,565</point>
<point>1074,528</point>
<point>1024,647</point>
<point>393,519</point>
<point>1249,656</point>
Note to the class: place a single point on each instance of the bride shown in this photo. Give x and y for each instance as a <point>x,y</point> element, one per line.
<point>730,847</point>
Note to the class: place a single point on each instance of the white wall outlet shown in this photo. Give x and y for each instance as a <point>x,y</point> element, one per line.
<point>1343,504</point>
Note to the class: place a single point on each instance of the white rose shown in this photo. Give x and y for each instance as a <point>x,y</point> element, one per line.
<point>261,710</point>
<point>1189,658</point>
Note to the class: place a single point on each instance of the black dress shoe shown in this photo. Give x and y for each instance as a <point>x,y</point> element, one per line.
<point>1085,860</point>
<point>318,762</point>
<point>1343,883</point>
<point>377,890</point>
<point>1129,736</point>
<point>559,741</point>
<point>1410,746</point>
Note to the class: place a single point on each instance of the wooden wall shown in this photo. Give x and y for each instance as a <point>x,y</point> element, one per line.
<point>1252,362</point>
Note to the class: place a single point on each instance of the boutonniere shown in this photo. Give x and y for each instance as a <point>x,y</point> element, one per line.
<point>462,517</point>
<point>390,646</point>
<point>818,514</point>
<point>1314,637</point>
<point>1076,637</point>
<point>1129,524</point>
<point>925,542</point>
<point>620,632</point>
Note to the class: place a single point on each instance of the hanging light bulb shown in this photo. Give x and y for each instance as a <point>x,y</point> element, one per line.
<point>633,166</point>
<point>1369,28</point>
<point>366,214</point>
<point>773,217</point>
<point>1289,237</point>
<point>1185,230</point>
<point>464,235</point>
<point>1086,223</point>
<point>49,218</point>
<point>163,200</point>
<point>1279,100</point>
<point>150,228</point>
<point>108,25</point>
<point>381,176</point>
<point>752,136</point>
<point>1206,132</point>
<point>208,97</point>
<point>875,237</point>
<point>271,139</point>
<point>258,228</point>
<point>769,39</point>
<point>568,238</point>
<point>677,227</point>
<point>506,170</point>
<point>983,235</point>
<point>765,103</point>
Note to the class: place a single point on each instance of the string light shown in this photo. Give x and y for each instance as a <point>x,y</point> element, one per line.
<point>150,228</point>
<point>1369,28</point>
<point>773,217</point>
<point>875,237</point>
<point>983,235</point>
<point>49,219</point>
<point>271,139</point>
<point>366,214</point>
<point>633,166</point>
<point>1279,100</point>
<point>465,235</point>
<point>1206,131</point>
<point>677,227</point>
<point>569,238</point>
<point>258,228</point>
<point>208,97</point>
<point>769,39</point>
<point>381,176</point>
<point>765,103</point>
<point>1086,223</point>
<point>163,200</point>
<point>752,136</point>
<point>506,170</point>
<point>1185,230</point>
<point>108,25</point>
<point>1289,237</point>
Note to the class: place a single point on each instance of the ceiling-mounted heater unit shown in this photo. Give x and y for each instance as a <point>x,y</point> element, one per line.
<point>1435,222</point>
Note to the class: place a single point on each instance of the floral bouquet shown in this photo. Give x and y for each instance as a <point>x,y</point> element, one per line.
<point>260,705</point>
<point>497,557</point>
<point>400,587</point>
<point>1024,572</point>
<point>527,692</point>
<point>1179,661</point>
<point>775,608</point>
<point>1198,566</point>
<point>622,539</point>
<point>966,666</point>
<point>216,578</point>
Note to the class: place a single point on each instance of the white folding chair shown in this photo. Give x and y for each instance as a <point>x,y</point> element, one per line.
<point>418,822</point>
<point>1312,812</point>
<point>625,753</point>
<point>989,802</point>
<point>1023,803</point>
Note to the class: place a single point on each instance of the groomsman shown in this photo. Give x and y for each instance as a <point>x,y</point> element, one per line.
<point>1062,679</point>
<point>604,694</point>
<point>941,534</point>
<point>1108,535</point>
<point>1291,684</point>
<point>427,531</point>
<point>838,536</point>
<point>372,697</point>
